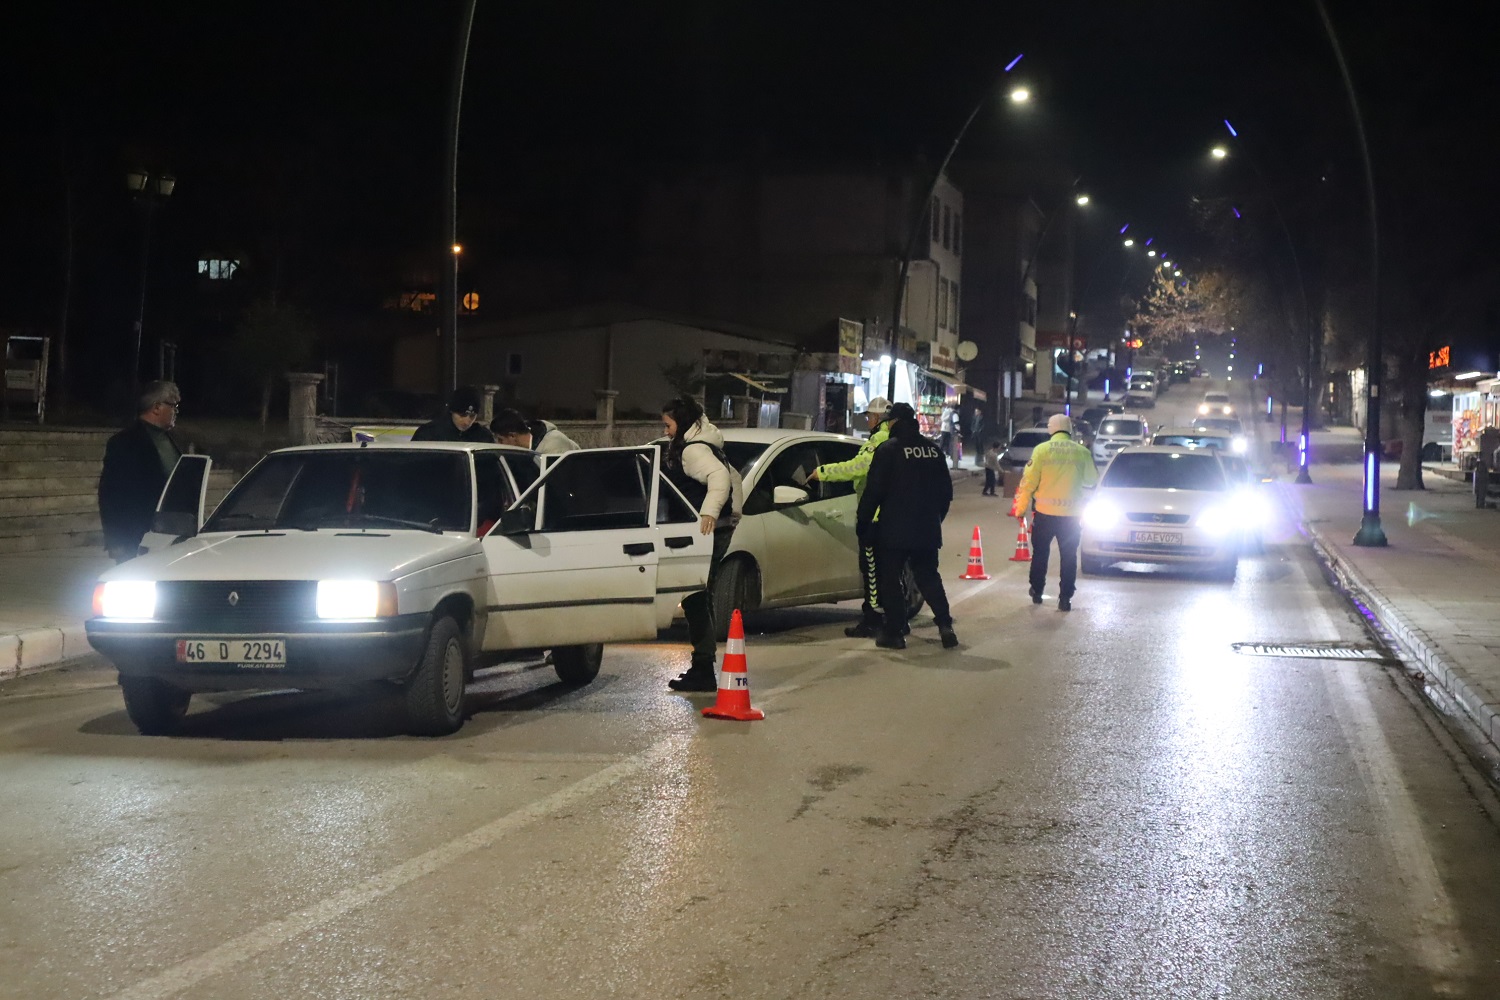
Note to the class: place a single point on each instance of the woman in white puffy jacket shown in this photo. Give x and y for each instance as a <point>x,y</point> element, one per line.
<point>694,461</point>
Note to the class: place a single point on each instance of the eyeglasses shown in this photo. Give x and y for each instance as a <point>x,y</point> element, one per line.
<point>176,405</point>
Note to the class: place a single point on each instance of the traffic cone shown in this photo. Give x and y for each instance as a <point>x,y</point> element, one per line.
<point>1023,542</point>
<point>975,570</point>
<point>733,701</point>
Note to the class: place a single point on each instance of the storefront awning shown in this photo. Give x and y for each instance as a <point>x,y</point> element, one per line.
<point>754,384</point>
<point>945,379</point>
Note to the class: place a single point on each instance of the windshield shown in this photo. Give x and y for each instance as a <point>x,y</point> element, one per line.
<point>1230,424</point>
<point>1122,428</point>
<point>1216,397</point>
<point>1164,471</point>
<point>1188,440</point>
<point>1029,439</point>
<point>368,488</point>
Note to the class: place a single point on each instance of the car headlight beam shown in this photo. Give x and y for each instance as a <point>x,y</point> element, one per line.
<point>133,600</point>
<point>1217,520</point>
<point>1101,515</point>
<point>355,599</point>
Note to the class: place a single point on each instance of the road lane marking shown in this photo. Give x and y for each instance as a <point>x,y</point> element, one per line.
<point>275,933</point>
<point>1434,933</point>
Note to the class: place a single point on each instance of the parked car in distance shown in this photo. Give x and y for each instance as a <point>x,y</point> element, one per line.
<point>1018,452</point>
<point>1167,506</point>
<point>1141,391</point>
<point>339,566</point>
<point>1095,414</point>
<point>1215,404</point>
<point>1123,430</point>
<point>1239,441</point>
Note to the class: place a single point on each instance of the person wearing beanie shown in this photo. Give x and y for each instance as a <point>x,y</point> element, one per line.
<point>1059,471</point>
<point>460,423</point>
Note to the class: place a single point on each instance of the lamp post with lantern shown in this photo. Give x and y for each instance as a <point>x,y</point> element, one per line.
<point>150,190</point>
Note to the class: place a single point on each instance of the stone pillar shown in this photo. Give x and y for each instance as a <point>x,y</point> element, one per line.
<point>604,406</point>
<point>302,405</point>
<point>487,403</point>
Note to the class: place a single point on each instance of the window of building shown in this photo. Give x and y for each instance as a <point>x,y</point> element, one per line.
<point>937,220</point>
<point>218,270</point>
<point>1028,311</point>
<point>513,364</point>
<point>958,234</point>
<point>942,304</point>
<point>953,309</point>
<point>947,227</point>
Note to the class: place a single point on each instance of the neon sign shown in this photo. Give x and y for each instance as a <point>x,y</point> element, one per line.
<point>1438,358</point>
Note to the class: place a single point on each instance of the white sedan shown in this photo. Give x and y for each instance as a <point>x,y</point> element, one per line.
<point>1165,505</point>
<point>333,566</point>
<point>796,543</point>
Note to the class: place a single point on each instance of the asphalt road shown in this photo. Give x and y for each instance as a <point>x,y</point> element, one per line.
<point>1110,802</point>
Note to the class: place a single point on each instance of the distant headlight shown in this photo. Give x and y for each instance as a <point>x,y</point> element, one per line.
<point>1203,409</point>
<point>1228,410</point>
<point>132,599</point>
<point>1218,520</point>
<point>1101,515</point>
<point>355,599</point>
<point>1239,445</point>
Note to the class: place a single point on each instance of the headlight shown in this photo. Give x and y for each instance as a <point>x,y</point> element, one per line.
<point>131,599</point>
<point>1101,515</point>
<point>1219,519</point>
<point>1202,409</point>
<point>355,599</point>
<point>1228,410</point>
<point>1239,445</point>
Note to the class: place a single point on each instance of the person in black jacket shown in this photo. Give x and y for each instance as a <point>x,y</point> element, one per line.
<point>460,423</point>
<point>905,500</point>
<point>137,462</point>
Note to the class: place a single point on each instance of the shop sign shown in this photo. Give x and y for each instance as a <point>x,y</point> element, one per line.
<point>941,358</point>
<point>1439,358</point>
<point>851,333</point>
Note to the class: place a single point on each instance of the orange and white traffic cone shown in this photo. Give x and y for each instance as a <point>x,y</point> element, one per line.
<point>733,701</point>
<point>976,560</point>
<point>1023,542</point>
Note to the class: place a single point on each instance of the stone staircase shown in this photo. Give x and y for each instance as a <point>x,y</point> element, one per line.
<point>49,478</point>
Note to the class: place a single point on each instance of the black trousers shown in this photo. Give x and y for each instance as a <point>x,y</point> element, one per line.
<point>699,608</point>
<point>989,481</point>
<point>924,566</point>
<point>1066,530</point>
<point>869,608</point>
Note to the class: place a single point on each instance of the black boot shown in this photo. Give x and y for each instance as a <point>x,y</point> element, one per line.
<point>863,630</point>
<point>890,640</point>
<point>950,640</point>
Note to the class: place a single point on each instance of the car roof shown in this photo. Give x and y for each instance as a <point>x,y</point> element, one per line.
<point>1167,449</point>
<point>771,435</point>
<point>1126,415</point>
<point>1192,431</point>
<point>404,446</point>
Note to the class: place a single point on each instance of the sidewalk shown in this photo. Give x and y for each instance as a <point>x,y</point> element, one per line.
<point>1435,587</point>
<point>44,598</point>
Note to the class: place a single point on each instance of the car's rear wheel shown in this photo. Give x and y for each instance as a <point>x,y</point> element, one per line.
<point>577,665</point>
<point>435,693</point>
<point>156,707</point>
<point>732,591</point>
<point>911,592</point>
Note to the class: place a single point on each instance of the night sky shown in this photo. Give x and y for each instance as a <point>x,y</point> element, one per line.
<point>330,118</point>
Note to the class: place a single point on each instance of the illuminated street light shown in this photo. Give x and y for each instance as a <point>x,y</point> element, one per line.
<point>1219,152</point>
<point>1176,274</point>
<point>458,248</point>
<point>1020,95</point>
<point>1082,199</point>
<point>1150,253</point>
<point>1130,243</point>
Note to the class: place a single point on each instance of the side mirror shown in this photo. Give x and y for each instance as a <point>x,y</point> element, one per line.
<point>785,496</point>
<point>517,520</point>
<point>179,524</point>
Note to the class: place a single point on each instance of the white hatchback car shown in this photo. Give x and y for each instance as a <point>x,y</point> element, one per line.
<point>1215,404</point>
<point>1165,505</point>
<point>333,566</point>
<point>795,544</point>
<point>1122,430</point>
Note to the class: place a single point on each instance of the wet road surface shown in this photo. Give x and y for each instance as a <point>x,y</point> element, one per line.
<point>1106,803</point>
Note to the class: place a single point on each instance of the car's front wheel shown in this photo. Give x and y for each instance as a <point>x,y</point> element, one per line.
<point>577,665</point>
<point>732,589</point>
<point>156,707</point>
<point>435,693</point>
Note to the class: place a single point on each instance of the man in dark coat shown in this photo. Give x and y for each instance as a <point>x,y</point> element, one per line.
<point>137,462</point>
<point>906,498</point>
<point>460,423</point>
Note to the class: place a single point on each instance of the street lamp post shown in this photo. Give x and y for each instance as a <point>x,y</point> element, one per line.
<point>1019,95</point>
<point>448,271</point>
<point>151,190</point>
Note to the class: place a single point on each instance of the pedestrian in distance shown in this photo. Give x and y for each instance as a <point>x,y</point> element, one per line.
<point>878,415</point>
<point>137,462</point>
<point>991,468</point>
<point>1059,471</point>
<point>459,423</point>
<point>901,514</point>
<point>695,462</point>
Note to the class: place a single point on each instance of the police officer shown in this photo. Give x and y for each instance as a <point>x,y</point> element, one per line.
<point>1055,478</point>
<point>460,423</point>
<point>901,512</point>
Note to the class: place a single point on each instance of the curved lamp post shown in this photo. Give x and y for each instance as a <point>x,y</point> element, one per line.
<point>448,268</point>
<point>151,190</point>
<point>1018,95</point>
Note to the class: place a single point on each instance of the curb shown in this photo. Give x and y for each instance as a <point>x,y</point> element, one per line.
<point>1415,642</point>
<point>36,649</point>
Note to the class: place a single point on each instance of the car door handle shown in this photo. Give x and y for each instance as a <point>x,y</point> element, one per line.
<point>639,548</point>
<point>680,542</point>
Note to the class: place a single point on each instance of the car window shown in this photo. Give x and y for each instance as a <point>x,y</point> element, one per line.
<point>1230,424</point>
<point>829,453</point>
<point>671,506</point>
<point>492,487</point>
<point>1216,397</point>
<point>1122,428</point>
<point>741,454</point>
<point>1237,468</point>
<point>1189,440</point>
<point>1029,439</point>
<point>592,490</point>
<point>364,488</point>
<point>790,467</point>
<point>1164,471</point>
<point>523,466</point>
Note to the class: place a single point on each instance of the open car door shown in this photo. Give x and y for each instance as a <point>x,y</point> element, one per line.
<point>577,558</point>
<point>179,512</point>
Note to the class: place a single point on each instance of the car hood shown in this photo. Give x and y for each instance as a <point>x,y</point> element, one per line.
<point>1155,501</point>
<point>296,555</point>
